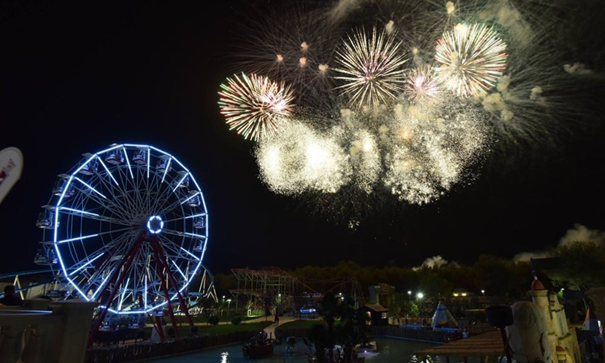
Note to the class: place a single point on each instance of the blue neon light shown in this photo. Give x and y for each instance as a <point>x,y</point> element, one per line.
<point>152,229</point>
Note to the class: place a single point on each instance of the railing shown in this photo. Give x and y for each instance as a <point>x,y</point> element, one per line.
<point>45,331</point>
<point>147,350</point>
<point>426,334</point>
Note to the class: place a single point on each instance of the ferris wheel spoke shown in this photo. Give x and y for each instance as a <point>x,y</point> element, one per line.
<point>127,161</point>
<point>124,290</point>
<point>119,270</point>
<point>185,217</point>
<point>86,262</point>
<point>107,204</point>
<point>177,250</point>
<point>107,170</point>
<point>178,269</point>
<point>171,246</point>
<point>116,190</point>
<point>161,199</point>
<point>127,199</point>
<point>118,246</point>
<point>183,234</point>
<point>129,188</point>
<point>90,215</point>
<point>170,207</point>
<point>161,194</point>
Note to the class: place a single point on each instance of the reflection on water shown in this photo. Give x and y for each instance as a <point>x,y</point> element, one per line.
<point>389,351</point>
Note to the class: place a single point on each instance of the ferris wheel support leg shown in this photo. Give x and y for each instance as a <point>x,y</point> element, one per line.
<point>157,325</point>
<point>164,289</point>
<point>173,282</point>
<point>118,277</point>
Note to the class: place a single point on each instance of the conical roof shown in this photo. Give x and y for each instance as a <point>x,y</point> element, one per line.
<point>591,321</point>
<point>443,317</point>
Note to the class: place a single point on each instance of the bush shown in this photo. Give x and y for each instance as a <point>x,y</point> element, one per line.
<point>213,320</point>
<point>194,330</point>
<point>170,332</point>
<point>236,320</point>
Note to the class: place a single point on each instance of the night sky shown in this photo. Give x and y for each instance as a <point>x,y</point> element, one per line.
<point>77,77</point>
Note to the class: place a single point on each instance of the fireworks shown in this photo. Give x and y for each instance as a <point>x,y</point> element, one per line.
<point>421,83</point>
<point>300,159</point>
<point>470,59</point>
<point>365,160</point>
<point>370,68</point>
<point>255,106</point>
<point>369,124</point>
<point>429,151</point>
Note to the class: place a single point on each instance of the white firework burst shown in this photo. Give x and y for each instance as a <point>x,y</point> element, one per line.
<point>421,83</point>
<point>470,59</point>
<point>255,106</point>
<point>370,69</point>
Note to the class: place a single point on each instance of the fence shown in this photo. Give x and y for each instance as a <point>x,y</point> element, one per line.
<point>147,350</point>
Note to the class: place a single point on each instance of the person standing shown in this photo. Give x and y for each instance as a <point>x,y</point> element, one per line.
<point>10,298</point>
<point>276,317</point>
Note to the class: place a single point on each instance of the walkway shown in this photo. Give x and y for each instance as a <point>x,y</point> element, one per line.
<point>270,330</point>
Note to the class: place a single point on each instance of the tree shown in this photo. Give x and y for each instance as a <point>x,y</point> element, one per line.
<point>213,319</point>
<point>410,309</point>
<point>583,266</point>
<point>236,320</point>
<point>344,325</point>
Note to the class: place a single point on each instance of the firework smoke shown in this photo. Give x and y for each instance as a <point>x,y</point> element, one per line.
<point>300,159</point>
<point>429,151</point>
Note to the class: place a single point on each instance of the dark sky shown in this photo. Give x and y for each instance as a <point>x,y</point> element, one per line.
<point>77,77</point>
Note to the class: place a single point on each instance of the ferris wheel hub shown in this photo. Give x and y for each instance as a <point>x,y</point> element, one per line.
<point>155,224</point>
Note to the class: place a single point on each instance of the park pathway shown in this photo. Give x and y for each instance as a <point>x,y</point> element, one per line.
<point>270,330</point>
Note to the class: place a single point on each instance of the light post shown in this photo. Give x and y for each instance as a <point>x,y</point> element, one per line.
<point>279,305</point>
<point>483,292</point>
<point>409,294</point>
<point>223,305</point>
<point>228,306</point>
<point>419,297</point>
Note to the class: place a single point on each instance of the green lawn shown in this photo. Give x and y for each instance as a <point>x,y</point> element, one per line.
<point>230,328</point>
<point>298,324</point>
<point>203,319</point>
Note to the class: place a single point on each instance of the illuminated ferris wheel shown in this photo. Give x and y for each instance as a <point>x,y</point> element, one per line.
<point>128,228</point>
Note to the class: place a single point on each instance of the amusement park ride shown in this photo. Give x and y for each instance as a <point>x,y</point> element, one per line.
<point>127,227</point>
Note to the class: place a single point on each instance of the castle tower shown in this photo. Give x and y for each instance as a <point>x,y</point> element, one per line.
<point>561,339</point>
<point>539,296</point>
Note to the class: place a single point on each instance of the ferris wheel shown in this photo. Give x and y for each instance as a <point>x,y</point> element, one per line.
<point>127,227</point>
